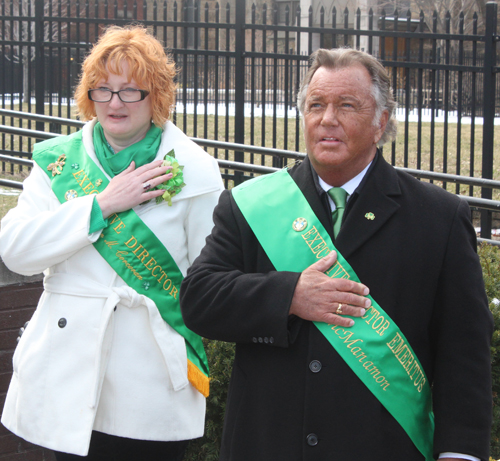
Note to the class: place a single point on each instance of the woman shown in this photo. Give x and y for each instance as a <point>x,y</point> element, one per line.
<point>106,368</point>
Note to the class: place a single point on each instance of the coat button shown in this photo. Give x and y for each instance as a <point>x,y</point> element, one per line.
<point>315,366</point>
<point>21,330</point>
<point>271,340</point>
<point>261,340</point>
<point>312,440</point>
<point>62,322</point>
<point>254,339</point>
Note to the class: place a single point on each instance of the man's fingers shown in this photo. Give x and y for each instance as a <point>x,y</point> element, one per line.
<point>341,284</point>
<point>325,263</point>
<point>317,297</point>
<point>333,319</point>
<point>355,291</point>
<point>338,318</point>
<point>351,299</point>
<point>346,309</point>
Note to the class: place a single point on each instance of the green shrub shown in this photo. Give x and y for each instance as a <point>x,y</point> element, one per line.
<point>490,262</point>
<point>220,357</point>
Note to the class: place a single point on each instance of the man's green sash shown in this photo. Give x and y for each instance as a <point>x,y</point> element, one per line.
<point>127,244</point>
<point>374,348</point>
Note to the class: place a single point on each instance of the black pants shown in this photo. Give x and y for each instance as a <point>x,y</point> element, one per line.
<point>105,447</point>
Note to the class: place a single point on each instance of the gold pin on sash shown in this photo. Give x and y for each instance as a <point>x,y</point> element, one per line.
<point>370,216</point>
<point>57,167</point>
<point>71,194</point>
<point>299,224</point>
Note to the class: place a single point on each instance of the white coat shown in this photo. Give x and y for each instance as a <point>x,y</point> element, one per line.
<point>97,355</point>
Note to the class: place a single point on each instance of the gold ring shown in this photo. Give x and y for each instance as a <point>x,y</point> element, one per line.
<point>339,309</point>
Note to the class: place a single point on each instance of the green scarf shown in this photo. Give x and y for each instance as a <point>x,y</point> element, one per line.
<point>141,152</point>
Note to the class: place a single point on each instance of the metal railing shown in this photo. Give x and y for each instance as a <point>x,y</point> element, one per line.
<point>241,170</point>
<point>241,64</point>
<point>475,202</point>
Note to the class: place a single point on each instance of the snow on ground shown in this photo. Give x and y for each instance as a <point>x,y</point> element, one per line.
<point>13,192</point>
<point>222,109</point>
<point>413,115</point>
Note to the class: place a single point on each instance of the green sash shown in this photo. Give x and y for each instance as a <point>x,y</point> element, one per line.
<point>127,244</point>
<point>374,348</point>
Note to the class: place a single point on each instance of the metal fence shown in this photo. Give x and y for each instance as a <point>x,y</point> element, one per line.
<point>241,65</point>
<point>246,168</point>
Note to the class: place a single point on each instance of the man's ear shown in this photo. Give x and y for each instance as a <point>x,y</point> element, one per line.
<point>384,118</point>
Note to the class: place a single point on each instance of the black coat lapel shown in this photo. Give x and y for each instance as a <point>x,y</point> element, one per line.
<point>377,198</point>
<point>302,175</point>
<point>376,203</point>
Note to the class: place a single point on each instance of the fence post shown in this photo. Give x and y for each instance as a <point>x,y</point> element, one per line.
<point>488,110</point>
<point>39,63</point>
<point>239,84</point>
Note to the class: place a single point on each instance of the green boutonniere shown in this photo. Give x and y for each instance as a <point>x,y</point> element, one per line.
<point>175,184</point>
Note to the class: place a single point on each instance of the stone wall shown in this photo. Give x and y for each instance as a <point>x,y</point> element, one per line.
<point>18,298</point>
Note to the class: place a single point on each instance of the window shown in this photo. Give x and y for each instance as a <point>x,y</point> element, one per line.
<point>292,11</point>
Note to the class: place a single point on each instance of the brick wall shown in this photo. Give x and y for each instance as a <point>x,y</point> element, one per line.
<point>18,298</point>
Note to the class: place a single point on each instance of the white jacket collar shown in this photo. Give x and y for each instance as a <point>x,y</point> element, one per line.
<point>201,173</point>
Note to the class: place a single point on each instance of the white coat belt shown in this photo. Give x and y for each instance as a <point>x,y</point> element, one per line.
<point>78,285</point>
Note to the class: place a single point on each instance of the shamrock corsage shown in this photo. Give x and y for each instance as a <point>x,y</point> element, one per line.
<point>175,184</point>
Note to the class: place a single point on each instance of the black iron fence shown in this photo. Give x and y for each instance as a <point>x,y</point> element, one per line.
<point>249,169</point>
<point>201,80</point>
<point>241,64</point>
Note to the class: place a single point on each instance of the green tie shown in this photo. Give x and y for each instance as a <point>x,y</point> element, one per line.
<point>339,197</point>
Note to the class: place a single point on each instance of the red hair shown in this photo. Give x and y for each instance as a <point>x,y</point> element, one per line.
<point>151,68</point>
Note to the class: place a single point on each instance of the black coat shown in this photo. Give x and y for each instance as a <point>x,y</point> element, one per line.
<point>418,258</point>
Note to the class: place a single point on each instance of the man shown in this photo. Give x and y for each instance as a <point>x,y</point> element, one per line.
<point>324,371</point>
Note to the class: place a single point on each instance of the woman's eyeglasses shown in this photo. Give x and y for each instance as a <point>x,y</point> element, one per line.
<point>126,95</point>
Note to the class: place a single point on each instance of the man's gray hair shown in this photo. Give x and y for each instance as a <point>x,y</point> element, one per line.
<point>339,58</point>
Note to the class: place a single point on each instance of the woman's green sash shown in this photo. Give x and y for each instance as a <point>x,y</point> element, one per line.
<point>127,244</point>
<point>374,348</point>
